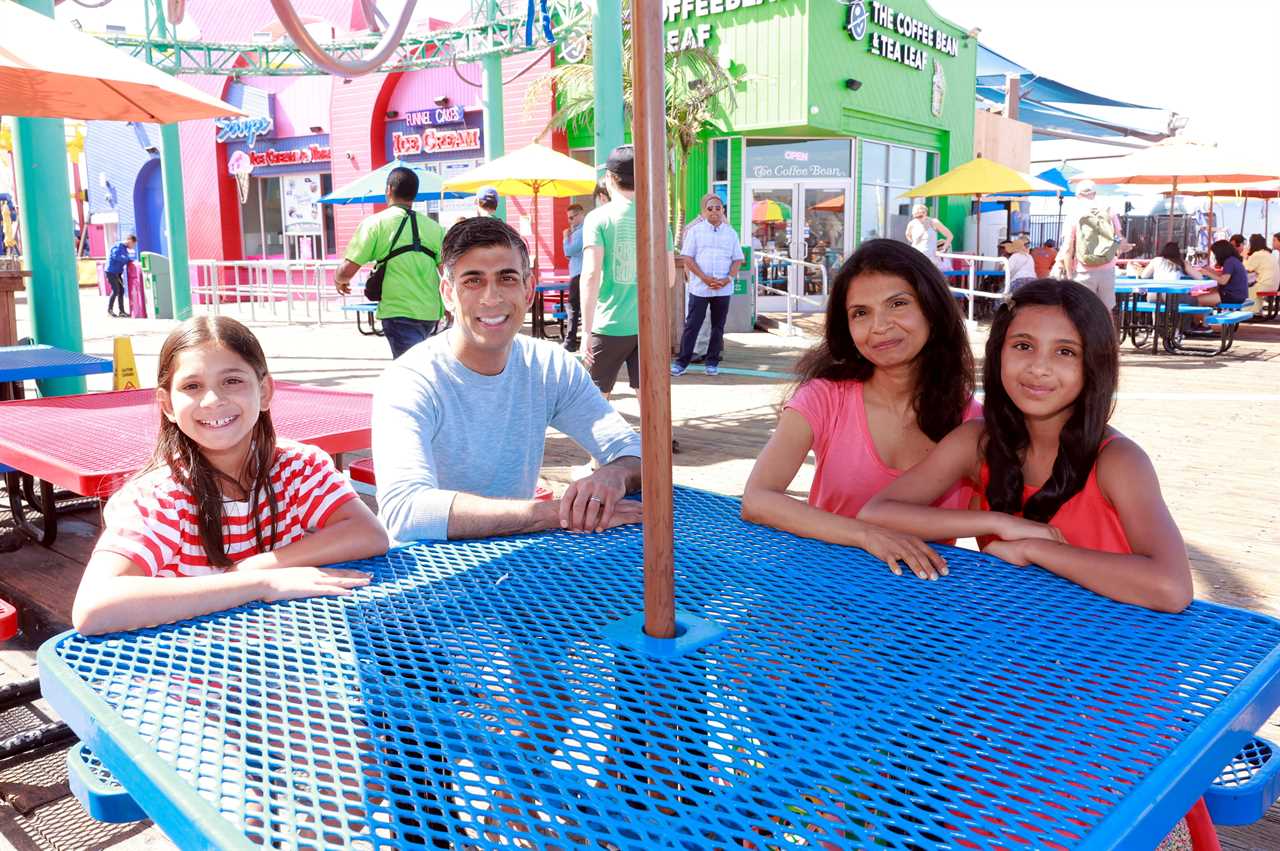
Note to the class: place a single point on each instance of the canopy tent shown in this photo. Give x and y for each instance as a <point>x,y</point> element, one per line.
<point>1042,102</point>
<point>1043,117</point>
<point>50,70</point>
<point>993,69</point>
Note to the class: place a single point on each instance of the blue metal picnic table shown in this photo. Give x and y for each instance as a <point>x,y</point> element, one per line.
<point>472,695</point>
<point>32,362</point>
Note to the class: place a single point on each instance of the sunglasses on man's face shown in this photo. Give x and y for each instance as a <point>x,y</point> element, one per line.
<point>714,209</point>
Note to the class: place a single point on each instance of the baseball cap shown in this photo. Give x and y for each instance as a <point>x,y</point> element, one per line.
<point>488,193</point>
<point>622,161</point>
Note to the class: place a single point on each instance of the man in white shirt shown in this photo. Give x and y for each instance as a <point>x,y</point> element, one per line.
<point>712,255</point>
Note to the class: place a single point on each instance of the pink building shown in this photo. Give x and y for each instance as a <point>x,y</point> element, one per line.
<point>304,136</point>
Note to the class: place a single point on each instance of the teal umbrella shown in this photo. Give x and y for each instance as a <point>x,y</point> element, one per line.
<point>372,188</point>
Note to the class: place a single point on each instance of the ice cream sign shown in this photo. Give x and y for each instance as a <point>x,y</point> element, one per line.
<point>433,141</point>
<point>689,13</point>
<point>297,156</point>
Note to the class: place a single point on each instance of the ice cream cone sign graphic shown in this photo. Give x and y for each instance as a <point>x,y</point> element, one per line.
<point>126,371</point>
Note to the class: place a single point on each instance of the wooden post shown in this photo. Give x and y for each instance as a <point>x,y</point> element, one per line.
<point>649,134</point>
<point>11,284</point>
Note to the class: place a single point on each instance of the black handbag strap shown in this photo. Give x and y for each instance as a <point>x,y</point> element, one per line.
<point>416,245</point>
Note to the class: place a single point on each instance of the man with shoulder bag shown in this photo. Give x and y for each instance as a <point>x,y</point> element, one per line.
<point>405,247</point>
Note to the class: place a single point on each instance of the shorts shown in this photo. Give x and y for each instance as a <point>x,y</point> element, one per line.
<point>608,354</point>
<point>1101,281</point>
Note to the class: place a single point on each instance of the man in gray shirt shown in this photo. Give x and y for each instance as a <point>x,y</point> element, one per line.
<point>460,421</point>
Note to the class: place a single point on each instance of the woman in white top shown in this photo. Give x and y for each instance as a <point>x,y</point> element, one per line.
<point>1169,265</point>
<point>1022,266</point>
<point>923,230</point>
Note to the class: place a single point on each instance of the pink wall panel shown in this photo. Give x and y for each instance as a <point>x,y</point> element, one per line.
<point>200,179</point>
<point>418,89</point>
<point>524,125</point>
<point>351,116</point>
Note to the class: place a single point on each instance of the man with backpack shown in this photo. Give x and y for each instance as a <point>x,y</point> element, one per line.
<point>1090,244</point>
<point>405,247</point>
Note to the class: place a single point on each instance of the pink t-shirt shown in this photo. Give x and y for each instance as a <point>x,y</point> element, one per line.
<point>850,470</point>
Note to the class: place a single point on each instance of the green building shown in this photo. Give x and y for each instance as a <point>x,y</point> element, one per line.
<point>844,106</point>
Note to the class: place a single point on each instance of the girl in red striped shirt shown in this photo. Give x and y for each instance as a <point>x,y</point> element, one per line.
<point>224,514</point>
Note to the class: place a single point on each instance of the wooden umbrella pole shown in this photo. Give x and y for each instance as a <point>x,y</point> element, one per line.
<point>1173,205</point>
<point>655,343</point>
<point>1244,210</point>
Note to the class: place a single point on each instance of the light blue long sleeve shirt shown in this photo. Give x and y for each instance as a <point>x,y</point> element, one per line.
<point>573,250</point>
<point>440,429</point>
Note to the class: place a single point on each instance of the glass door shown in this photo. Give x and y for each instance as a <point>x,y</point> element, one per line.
<point>771,238</point>
<point>798,232</point>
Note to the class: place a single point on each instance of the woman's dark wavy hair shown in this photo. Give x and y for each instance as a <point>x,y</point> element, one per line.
<point>1171,252</point>
<point>1222,251</point>
<point>1005,440</point>
<point>945,364</point>
<point>183,456</point>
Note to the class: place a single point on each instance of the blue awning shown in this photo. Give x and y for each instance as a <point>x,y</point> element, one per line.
<point>993,68</point>
<point>1043,116</point>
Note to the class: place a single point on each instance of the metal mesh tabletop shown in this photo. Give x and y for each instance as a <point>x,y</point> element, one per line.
<point>22,363</point>
<point>469,699</point>
<point>88,443</point>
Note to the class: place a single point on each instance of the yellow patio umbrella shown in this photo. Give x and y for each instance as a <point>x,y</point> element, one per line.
<point>533,170</point>
<point>980,177</point>
<point>50,70</point>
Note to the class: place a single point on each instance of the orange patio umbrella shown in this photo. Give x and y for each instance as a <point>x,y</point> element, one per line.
<point>1180,162</point>
<point>50,70</point>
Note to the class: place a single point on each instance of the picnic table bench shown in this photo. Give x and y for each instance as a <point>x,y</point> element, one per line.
<point>365,311</point>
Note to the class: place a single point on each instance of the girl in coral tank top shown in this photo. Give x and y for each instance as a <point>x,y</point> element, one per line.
<point>1058,487</point>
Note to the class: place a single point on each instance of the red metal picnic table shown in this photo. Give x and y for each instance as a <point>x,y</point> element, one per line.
<point>89,444</point>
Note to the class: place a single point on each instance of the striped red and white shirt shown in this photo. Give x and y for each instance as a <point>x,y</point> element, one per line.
<point>153,520</point>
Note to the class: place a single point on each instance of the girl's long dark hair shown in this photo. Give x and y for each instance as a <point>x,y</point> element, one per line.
<point>185,460</point>
<point>1005,441</point>
<point>944,367</point>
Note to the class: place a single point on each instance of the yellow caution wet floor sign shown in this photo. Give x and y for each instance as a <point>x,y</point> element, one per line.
<point>126,371</point>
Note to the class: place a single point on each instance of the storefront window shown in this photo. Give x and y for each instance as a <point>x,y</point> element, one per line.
<point>262,219</point>
<point>721,169</point>
<point>588,156</point>
<point>887,172</point>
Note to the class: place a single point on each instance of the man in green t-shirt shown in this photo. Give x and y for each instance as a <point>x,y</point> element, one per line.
<point>410,308</point>
<point>610,315</point>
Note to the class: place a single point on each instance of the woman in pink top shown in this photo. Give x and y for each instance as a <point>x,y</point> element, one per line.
<point>892,375</point>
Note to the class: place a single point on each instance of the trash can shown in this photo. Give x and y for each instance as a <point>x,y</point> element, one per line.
<point>156,281</point>
<point>742,306</point>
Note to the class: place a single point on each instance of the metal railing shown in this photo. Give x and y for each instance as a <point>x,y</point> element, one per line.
<point>302,286</point>
<point>791,297</point>
<point>972,292</point>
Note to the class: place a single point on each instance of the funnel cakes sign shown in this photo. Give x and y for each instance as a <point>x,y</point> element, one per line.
<point>449,133</point>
